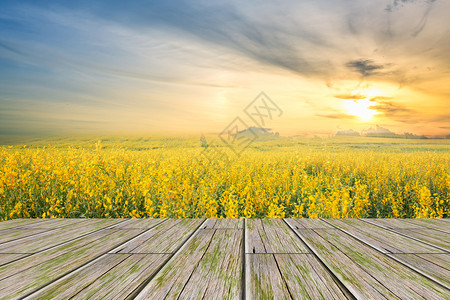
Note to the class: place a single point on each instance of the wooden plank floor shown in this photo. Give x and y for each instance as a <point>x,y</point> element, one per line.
<point>225,259</point>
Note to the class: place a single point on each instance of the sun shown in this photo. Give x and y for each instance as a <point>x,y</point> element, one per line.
<point>360,108</point>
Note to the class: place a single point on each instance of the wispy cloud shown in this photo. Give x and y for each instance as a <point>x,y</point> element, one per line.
<point>179,58</point>
<point>350,96</point>
<point>336,116</point>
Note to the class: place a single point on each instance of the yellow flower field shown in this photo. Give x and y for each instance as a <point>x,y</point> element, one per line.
<point>171,178</point>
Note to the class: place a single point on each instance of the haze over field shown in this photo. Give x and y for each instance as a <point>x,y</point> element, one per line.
<point>87,67</point>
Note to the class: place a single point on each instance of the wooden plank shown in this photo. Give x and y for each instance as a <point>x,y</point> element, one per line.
<point>272,236</point>
<point>382,239</point>
<point>361,284</point>
<point>442,260</point>
<point>209,224</point>
<point>437,224</point>
<point>265,280</point>
<point>306,278</point>
<point>112,276</point>
<point>14,234</point>
<point>396,278</point>
<point>6,258</point>
<point>163,238</point>
<point>223,224</point>
<point>430,236</point>
<point>26,275</point>
<point>171,279</point>
<point>137,224</point>
<point>392,223</point>
<point>51,223</point>
<point>18,222</point>
<point>308,224</point>
<point>427,267</point>
<point>219,272</point>
<point>50,238</point>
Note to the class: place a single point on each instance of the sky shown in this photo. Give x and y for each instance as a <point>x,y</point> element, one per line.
<point>143,67</point>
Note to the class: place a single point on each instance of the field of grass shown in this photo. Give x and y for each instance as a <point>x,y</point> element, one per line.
<point>178,178</point>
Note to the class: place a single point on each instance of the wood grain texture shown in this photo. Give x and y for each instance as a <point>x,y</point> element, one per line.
<point>437,224</point>
<point>171,279</point>
<point>272,236</point>
<point>306,278</point>
<point>50,238</point>
<point>6,258</point>
<point>53,223</point>
<point>163,238</point>
<point>18,222</point>
<point>137,223</point>
<point>209,267</point>
<point>197,259</point>
<point>353,276</point>
<point>431,236</point>
<point>384,240</point>
<point>432,265</point>
<point>218,275</point>
<point>308,224</point>
<point>398,279</point>
<point>392,223</point>
<point>14,234</point>
<point>223,224</point>
<point>266,281</point>
<point>112,276</point>
<point>30,273</point>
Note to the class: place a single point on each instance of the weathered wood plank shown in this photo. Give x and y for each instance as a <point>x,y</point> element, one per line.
<point>426,266</point>
<point>14,234</point>
<point>32,272</point>
<point>52,223</point>
<point>163,238</point>
<point>272,236</point>
<point>223,224</point>
<point>17,223</point>
<point>438,224</point>
<point>124,278</point>
<point>308,224</point>
<point>112,276</point>
<point>398,279</point>
<point>218,274</point>
<point>354,277</point>
<point>209,224</point>
<point>392,223</point>
<point>50,238</point>
<point>431,236</point>
<point>382,239</point>
<point>137,223</point>
<point>442,260</point>
<point>171,279</point>
<point>306,278</point>
<point>265,280</point>
<point>6,258</point>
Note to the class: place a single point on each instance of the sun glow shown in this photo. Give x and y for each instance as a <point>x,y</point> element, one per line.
<point>360,108</point>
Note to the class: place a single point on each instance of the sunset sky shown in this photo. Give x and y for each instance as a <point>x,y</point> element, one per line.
<point>81,67</point>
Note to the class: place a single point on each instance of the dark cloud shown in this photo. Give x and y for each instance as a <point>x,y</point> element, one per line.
<point>336,116</point>
<point>365,67</point>
<point>390,108</point>
<point>350,96</point>
<point>401,113</point>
